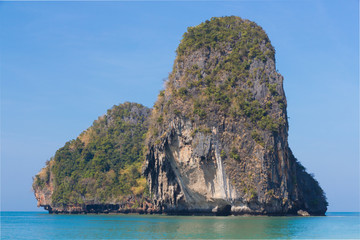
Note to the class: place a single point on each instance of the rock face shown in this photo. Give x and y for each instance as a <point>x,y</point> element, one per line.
<point>99,172</point>
<point>217,140</point>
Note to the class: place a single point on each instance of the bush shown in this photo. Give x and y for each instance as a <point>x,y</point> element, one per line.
<point>257,138</point>
<point>183,92</point>
<point>272,89</point>
<point>234,154</point>
<point>223,154</point>
<point>199,110</point>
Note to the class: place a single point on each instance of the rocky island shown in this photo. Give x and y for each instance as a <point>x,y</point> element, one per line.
<point>215,142</point>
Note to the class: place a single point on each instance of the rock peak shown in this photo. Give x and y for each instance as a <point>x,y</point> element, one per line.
<point>218,132</point>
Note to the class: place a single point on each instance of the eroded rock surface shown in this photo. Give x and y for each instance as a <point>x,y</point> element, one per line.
<point>217,140</point>
<point>218,137</point>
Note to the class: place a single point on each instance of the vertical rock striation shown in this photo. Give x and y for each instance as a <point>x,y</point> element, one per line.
<point>217,140</point>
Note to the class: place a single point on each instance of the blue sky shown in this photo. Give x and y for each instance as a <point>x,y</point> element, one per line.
<point>63,64</point>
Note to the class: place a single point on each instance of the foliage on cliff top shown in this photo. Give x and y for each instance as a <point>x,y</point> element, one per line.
<point>220,31</point>
<point>218,63</point>
<point>104,163</point>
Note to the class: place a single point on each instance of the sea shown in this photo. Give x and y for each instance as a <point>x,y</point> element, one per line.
<point>41,225</point>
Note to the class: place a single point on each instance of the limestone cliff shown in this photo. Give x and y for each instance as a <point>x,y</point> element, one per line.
<point>217,140</point>
<point>99,172</point>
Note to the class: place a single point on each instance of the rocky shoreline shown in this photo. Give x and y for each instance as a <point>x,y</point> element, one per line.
<point>118,209</point>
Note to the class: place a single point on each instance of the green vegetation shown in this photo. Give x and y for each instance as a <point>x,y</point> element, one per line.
<point>199,110</point>
<point>104,163</point>
<point>183,92</point>
<point>223,154</point>
<point>43,178</point>
<point>203,130</point>
<point>256,136</point>
<point>243,37</point>
<point>224,84</point>
<point>218,32</point>
<point>224,91</point>
<point>234,154</point>
<point>272,89</point>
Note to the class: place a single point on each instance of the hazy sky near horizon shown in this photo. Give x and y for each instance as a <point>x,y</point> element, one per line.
<point>63,64</point>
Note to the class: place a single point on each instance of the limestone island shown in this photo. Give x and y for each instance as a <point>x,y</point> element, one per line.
<point>215,142</point>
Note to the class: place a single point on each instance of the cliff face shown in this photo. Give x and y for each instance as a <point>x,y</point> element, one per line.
<point>100,170</point>
<point>43,186</point>
<point>217,140</point>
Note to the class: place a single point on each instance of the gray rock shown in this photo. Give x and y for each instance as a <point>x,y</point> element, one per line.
<point>215,165</point>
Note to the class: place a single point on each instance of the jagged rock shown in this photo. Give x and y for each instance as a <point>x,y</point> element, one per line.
<point>217,141</point>
<point>303,213</point>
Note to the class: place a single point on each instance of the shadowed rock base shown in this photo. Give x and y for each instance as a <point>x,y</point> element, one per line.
<point>225,210</point>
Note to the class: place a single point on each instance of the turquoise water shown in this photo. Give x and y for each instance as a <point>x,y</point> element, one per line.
<point>34,225</point>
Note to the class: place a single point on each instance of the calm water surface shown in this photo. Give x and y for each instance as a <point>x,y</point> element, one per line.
<point>34,225</point>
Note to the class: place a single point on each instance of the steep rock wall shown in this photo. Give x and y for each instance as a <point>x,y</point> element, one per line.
<point>217,141</point>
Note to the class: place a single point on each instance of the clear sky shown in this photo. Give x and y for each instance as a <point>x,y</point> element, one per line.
<point>63,64</point>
